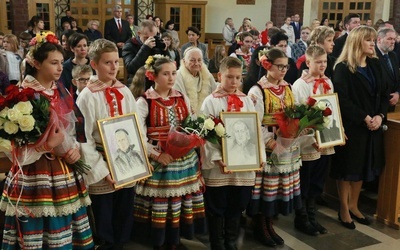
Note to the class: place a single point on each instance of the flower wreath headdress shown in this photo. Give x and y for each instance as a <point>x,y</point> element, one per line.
<point>149,65</point>
<point>264,60</point>
<point>36,42</point>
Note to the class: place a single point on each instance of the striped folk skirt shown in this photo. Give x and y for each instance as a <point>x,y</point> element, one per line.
<point>170,204</point>
<point>45,207</point>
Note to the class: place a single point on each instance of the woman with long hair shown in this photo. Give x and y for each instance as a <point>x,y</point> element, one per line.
<point>363,99</point>
<point>219,54</point>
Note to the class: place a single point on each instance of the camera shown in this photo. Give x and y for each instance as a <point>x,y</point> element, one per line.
<point>159,43</point>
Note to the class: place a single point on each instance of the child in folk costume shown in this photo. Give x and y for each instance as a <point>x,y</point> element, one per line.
<point>103,97</point>
<point>44,199</point>
<point>277,188</point>
<point>227,194</point>
<point>170,203</point>
<point>314,161</point>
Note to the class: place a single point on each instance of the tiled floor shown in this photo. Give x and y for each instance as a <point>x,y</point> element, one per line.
<point>377,236</point>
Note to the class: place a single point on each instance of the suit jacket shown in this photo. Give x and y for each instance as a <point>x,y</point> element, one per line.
<point>339,44</point>
<point>392,78</point>
<point>111,31</point>
<point>296,30</point>
<point>364,148</point>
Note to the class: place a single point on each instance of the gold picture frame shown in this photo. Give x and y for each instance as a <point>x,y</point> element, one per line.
<point>124,148</point>
<point>241,149</point>
<point>334,134</point>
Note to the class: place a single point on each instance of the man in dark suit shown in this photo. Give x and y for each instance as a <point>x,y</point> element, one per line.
<point>67,18</point>
<point>296,26</point>
<point>351,21</point>
<point>390,64</point>
<point>117,30</point>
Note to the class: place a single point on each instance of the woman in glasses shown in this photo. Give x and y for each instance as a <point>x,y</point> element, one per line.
<point>78,45</point>
<point>280,41</point>
<point>277,187</point>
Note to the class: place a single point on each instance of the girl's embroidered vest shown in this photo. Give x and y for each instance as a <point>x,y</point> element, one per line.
<point>158,121</point>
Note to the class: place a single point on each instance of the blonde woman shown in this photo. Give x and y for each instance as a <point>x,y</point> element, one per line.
<point>92,30</point>
<point>363,103</point>
<point>219,54</point>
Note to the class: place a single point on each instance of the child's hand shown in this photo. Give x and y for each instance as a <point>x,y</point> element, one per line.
<point>165,159</point>
<point>72,156</point>
<point>109,180</point>
<point>222,167</point>
<point>56,137</point>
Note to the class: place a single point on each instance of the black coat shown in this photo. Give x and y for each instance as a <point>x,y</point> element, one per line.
<point>339,44</point>
<point>364,148</point>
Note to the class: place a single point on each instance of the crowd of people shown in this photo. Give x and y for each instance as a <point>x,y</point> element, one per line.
<point>263,72</point>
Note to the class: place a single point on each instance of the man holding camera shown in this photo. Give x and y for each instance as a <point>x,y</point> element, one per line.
<point>139,48</point>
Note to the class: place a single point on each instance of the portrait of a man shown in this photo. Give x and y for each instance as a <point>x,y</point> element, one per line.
<point>332,131</point>
<point>128,161</point>
<point>243,149</point>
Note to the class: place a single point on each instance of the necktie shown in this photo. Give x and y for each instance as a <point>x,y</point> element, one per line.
<point>389,64</point>
<point>119,26</point>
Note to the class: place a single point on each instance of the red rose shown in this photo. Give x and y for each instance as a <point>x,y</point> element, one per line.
<point>217,120</point>
<point>50,38</point>
<point>311,101</point>
<point>149,75</point>
<point>327,112</point>
<point>29,93</point>
<point>12,89</point>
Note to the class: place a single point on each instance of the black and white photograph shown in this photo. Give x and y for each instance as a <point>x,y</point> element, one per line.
<point>241,149</point>
<point>125,152</point>
<point>333,134</point>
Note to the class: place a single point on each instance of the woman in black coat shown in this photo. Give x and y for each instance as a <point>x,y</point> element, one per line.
<point>363,99</point>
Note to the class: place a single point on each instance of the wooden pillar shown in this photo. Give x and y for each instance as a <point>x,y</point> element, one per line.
<point>278,12</point>
<point>19,16</point>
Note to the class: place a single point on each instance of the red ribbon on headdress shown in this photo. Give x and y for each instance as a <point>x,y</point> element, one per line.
<point>110,98</point>
<point>325,85</point>
<point>234,103</point>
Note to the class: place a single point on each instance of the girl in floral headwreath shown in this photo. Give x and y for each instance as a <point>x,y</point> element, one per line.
<point>245,41</point>
<point>277,188</point>
<point>169,204</point>
<point>44,199</point>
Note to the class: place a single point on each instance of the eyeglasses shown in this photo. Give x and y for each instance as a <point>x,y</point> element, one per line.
<point>83,80</point>
<point>282,67</point>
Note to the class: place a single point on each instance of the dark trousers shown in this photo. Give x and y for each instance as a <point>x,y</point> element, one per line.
<point>312,177</point>
<point>113,214</point>
<point>227,201</point>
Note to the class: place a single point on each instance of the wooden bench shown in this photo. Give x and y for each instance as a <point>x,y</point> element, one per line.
<point>122,75</point>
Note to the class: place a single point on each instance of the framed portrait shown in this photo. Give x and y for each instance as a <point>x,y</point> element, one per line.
<point>241,148</point>
<point>124,149</point>
<point>333,134</point>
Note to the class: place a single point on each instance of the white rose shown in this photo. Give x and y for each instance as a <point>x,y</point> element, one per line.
<point>14,114</point>
<point>26,123</point>
<point>220,130</point>
<point>5,145</point>
<point>321,105</point>
<point>25,108</point>
<point>209,124</point>
<point>10,127</point>
<point>4,112</point>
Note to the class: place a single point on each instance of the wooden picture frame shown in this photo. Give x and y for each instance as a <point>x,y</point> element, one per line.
<point>334,134</point>
<point>121,134</point>
<point>246,154</point>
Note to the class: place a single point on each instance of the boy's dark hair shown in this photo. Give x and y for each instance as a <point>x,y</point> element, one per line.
<point>275,39</point>
<point>194,30</point>
<point>1,33</point>
<point>229,62</point>
<point>254,32</point>
<point>24,36</point>
<point>100,46</point>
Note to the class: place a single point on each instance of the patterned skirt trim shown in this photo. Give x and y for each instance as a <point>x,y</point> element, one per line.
<point>65,232</point>
<point>179,178</point>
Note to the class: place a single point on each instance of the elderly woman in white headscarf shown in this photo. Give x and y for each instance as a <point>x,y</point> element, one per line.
<point>193,78</point>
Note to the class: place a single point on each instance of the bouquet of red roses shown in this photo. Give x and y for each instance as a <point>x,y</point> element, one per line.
<point>313,114</point>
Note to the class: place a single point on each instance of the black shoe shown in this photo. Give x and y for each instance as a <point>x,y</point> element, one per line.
<point>364,221</point>
<point>319,227</point>
<point>277,239</point>
<point>302,224</point>
<point>349,225</point>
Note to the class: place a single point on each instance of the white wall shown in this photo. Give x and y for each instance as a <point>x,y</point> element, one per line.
<point>219,10</point>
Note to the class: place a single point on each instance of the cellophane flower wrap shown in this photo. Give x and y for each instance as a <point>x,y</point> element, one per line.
<point>193,133</point>
<point>297,124</point>
<point>26,118</point>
